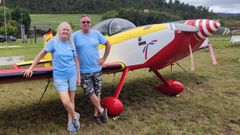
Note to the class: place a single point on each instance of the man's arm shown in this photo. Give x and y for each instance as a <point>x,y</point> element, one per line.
<point>107,50</point>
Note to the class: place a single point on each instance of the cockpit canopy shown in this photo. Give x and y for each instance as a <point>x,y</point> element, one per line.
<point>113,26</point>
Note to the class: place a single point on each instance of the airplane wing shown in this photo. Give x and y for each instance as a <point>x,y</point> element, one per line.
<point>16,75</point>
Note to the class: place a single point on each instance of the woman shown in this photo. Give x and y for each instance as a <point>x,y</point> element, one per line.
<point>66,71</point>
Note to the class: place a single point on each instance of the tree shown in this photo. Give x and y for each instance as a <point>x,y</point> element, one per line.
<point>110,14</point>
<point>15,18</point>
<point>22,17</point>
<point>12,28</point>
<point>8,14</point>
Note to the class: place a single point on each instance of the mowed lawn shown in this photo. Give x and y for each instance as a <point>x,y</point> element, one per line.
<point>208,105</point>
<point>55,19</point>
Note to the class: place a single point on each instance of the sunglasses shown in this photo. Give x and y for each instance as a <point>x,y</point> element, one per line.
<point>86,22</point>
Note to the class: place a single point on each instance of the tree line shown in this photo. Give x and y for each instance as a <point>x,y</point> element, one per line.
<point>14,19</point>
<point>174,7</point>
<point>140,12</point>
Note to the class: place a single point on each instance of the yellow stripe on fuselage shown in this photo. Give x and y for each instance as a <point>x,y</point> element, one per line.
<point>133,33</point>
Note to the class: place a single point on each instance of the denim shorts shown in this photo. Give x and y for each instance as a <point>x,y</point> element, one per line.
<point>91,83</point>
<point>69,84</point>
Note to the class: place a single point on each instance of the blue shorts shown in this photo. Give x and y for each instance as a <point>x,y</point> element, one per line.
<point>69,84</point>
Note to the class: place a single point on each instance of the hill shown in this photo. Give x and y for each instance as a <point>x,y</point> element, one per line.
<point>185,11</point>
<point>228,14</point>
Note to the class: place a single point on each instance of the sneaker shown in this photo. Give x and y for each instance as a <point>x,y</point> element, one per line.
<point>71,128</point>
<point>76,122</point>
<point>97,119</point>
<point>104,116</point>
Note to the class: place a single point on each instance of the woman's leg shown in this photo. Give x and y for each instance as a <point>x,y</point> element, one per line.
<point>72,99</point>
<point>65,98</point>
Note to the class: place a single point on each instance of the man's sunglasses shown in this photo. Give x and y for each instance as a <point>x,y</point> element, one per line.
<point>86,22</point>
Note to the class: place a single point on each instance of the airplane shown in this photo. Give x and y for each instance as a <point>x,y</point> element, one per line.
<point>153,46</point>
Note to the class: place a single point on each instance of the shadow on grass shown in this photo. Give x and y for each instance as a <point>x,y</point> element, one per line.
<point>51,115</point>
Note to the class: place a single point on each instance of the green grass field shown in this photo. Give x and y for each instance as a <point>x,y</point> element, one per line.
<point>55,19</point>
<point>209,104</point>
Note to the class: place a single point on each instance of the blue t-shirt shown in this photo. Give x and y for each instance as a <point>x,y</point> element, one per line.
<point>87,50</point>
<point>63,54</point>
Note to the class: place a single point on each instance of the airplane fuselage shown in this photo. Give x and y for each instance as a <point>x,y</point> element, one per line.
<point>154,46</point>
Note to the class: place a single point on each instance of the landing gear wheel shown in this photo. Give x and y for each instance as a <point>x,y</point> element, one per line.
<point>113,105</point>
<point>172,89</point>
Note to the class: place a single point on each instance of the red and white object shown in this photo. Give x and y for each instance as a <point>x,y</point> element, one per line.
<point>206,27</point>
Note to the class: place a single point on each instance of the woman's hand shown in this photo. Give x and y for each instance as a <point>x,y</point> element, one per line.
<point>28,73</point>
<point>78,81</point>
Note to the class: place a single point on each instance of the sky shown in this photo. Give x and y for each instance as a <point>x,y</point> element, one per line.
<point>223,6</point>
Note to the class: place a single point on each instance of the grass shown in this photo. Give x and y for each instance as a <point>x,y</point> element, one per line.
<point>55,19</point>
<point>209,104</point>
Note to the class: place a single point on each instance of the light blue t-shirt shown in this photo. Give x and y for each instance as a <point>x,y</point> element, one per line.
<point>63,54</point>
<point>87,50</point>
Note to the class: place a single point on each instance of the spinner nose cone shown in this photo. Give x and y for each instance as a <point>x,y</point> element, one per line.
<point>213,25</point>
<point>206,27</point>
<point>218,24</point>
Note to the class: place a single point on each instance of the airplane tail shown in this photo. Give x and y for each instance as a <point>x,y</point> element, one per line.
<point>47,58</point>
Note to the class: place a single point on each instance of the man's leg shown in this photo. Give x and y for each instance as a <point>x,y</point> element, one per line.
<point>97,82</point>
<point>95,101</point>
<point>87,82</point>
<point>96,112</point>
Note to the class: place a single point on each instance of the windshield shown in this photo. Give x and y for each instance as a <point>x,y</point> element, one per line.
<point>113,26</point>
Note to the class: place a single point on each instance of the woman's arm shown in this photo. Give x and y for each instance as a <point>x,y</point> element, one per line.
<point>28,73</point>
<point>78,70</point>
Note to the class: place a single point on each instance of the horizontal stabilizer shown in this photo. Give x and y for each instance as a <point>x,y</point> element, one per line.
<point>26,63</point>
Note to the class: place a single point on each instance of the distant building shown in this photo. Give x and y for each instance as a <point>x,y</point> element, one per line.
<point>235,35</point>
<point>145,10</point>
<point>235,39</point>
<point>39,29</point>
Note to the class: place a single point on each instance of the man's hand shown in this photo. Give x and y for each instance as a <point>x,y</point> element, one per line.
<point>101,61</point>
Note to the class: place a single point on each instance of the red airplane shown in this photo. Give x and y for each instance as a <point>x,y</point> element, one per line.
<point>152,46</point>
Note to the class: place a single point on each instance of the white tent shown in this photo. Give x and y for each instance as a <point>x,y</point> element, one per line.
<point>235,39</point>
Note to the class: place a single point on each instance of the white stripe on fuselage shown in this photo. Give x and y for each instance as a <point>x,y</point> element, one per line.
<point>130,53</point>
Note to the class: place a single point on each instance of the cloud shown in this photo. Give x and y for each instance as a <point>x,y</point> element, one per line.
<point>227,6</point>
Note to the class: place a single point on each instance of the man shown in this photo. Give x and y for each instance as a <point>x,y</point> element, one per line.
<point>87,41</point>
